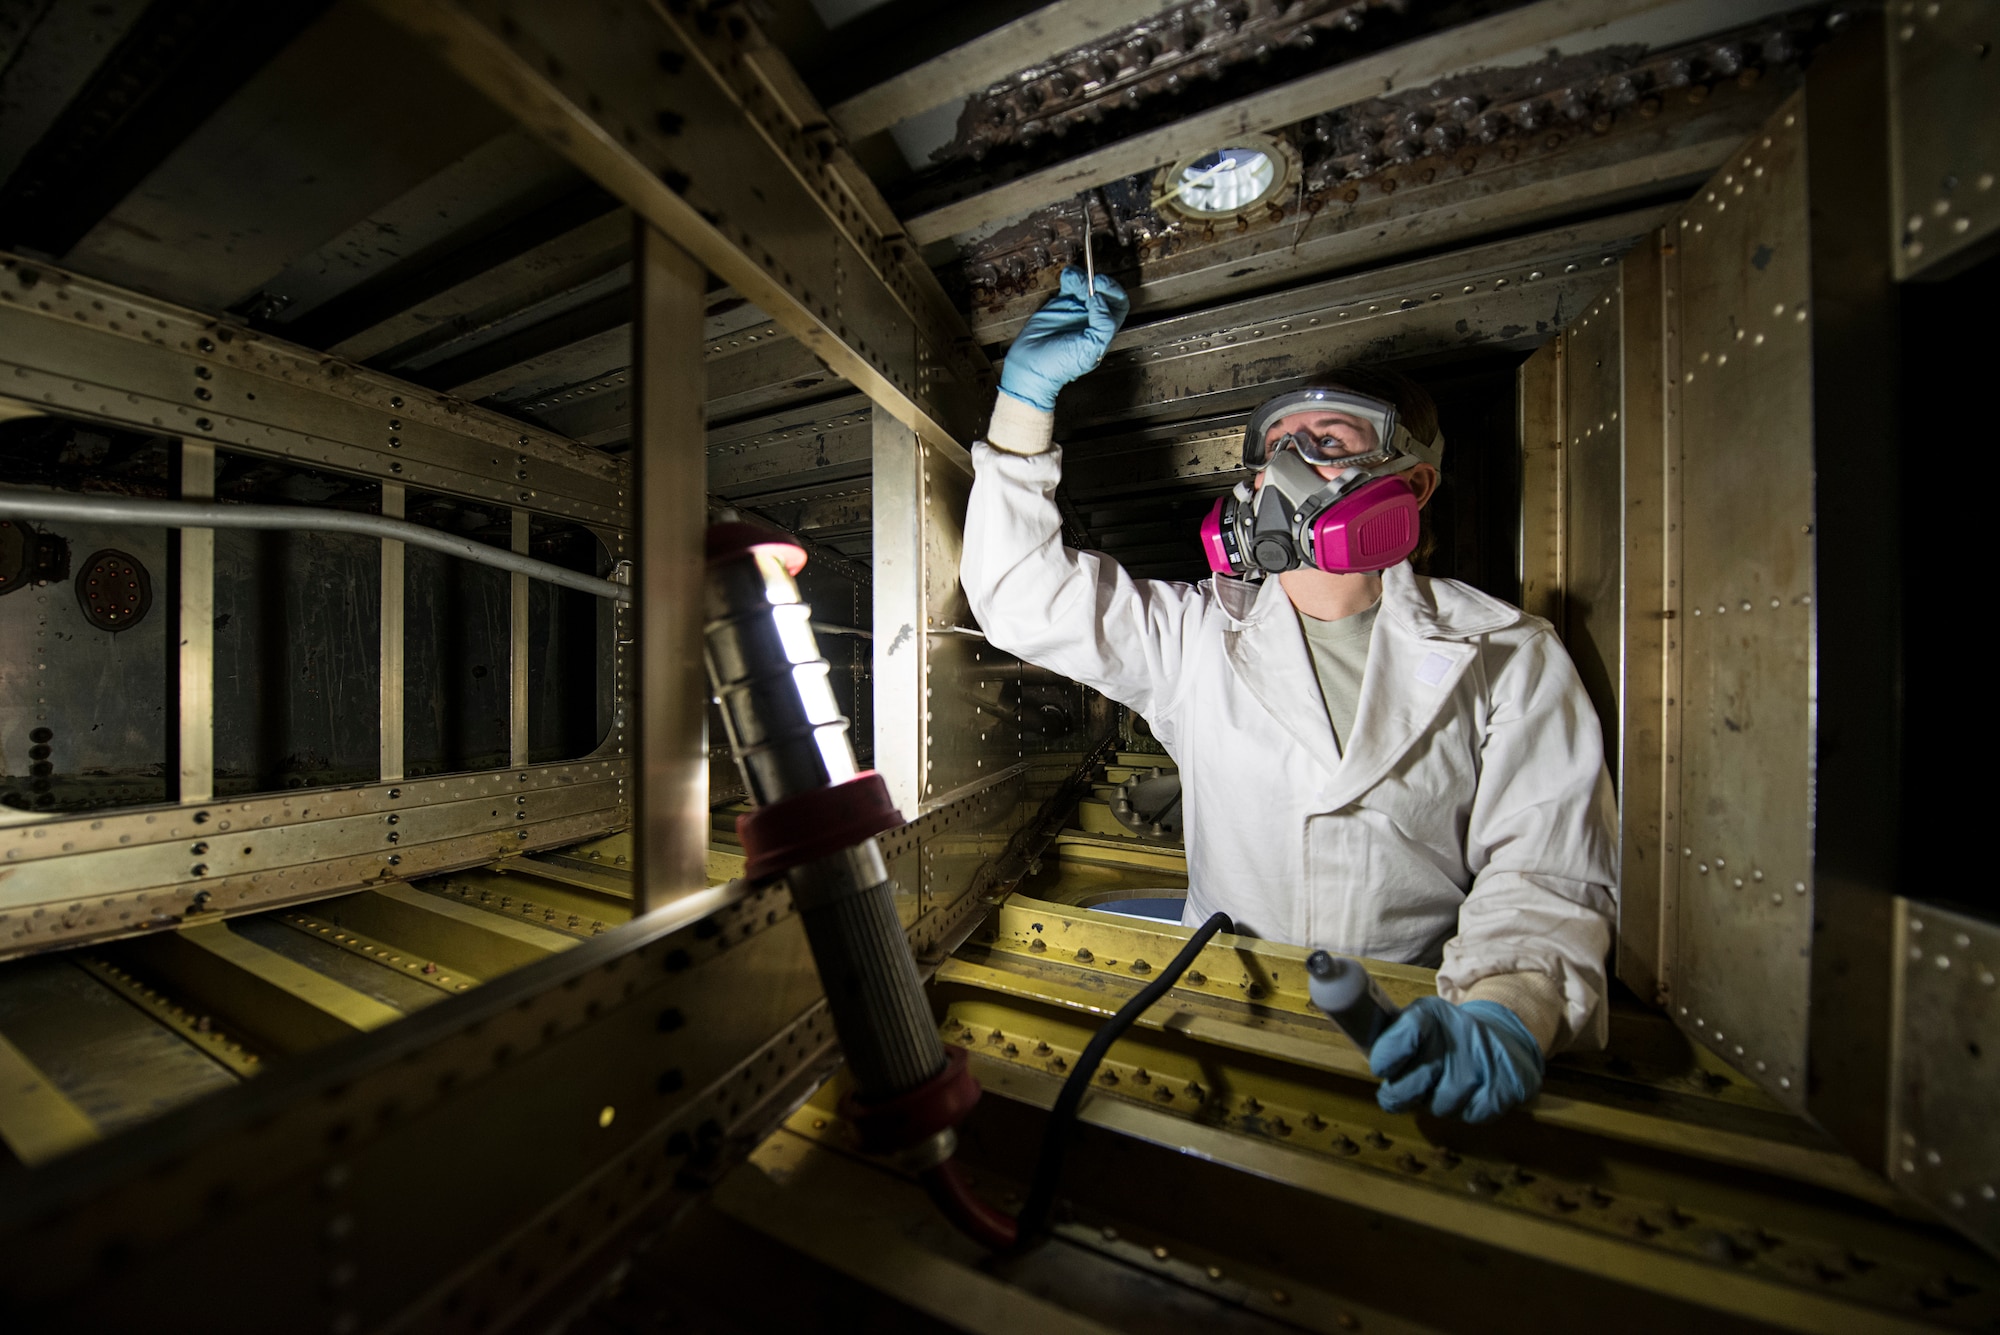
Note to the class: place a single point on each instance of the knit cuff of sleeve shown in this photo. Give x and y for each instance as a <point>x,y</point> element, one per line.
<point>1019,427</point>
<point>1535,997</point>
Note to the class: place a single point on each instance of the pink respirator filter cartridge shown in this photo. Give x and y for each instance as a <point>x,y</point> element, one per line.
<point>1211,540</point>
<point>1371,528</point>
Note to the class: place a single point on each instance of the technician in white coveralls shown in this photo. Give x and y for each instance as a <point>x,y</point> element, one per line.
<point>1374,762</point>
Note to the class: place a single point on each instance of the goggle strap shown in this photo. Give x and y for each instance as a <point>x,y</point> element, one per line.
<point>1432,454</point>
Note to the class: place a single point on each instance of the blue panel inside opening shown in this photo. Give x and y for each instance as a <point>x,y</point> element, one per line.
<point>1159,910</point>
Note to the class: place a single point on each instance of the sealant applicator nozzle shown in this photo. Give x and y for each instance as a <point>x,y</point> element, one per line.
<point>1350,996</point>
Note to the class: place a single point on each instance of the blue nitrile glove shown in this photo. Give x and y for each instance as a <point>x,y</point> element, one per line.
<point>1476,1060</point>
<point>1063,339</point>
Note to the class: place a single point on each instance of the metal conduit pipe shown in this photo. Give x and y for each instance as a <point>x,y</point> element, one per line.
<point>220,514</point>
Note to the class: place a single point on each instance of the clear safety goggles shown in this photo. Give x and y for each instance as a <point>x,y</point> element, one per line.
<point>1373,420</point>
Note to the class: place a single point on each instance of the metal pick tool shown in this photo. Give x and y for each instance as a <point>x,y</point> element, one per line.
<point>1089,263</point>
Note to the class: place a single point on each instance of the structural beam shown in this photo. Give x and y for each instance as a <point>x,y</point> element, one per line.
<point>517,649</point>
<point>711,140</point>
<point>103,874</point>
<point>571,1047</point>
<point>88,349</point>
<point>193,661</point>
<point>467,939</point>
<point>817,445</point>
<point>1639,160</point>
<point>1516,36</point>
<point>392,640</point>
<point>1223,360</point>
<point>259,991</point>
<point>423,304</point>
<point>900,644</point>
<point>1540,401</point>
<point>671,465</point>
<point>1643,693</point>
<point>823,559</point>
<point>986,60</point>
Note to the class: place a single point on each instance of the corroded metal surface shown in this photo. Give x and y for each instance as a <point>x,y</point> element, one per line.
<point>1493,129</point>
<point>1202,42</point>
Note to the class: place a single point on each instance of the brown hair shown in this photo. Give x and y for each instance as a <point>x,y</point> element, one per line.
<point>1415,409</point>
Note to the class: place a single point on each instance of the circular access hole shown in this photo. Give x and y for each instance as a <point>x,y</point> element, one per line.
<point>1226,181</point>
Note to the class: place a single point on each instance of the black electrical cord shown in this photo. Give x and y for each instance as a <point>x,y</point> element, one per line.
<point>1033,1220</point>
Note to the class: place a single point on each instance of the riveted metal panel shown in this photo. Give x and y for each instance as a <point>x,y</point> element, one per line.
<point>1540,564</point>
<point>97,876</point>
<point>947,488</point>
<point>898,613</point>
<point>1946,1082</point>
<point>1944,125</point>
<point>973,708</point>
<point>944,720</point>
<point>1672,502</point>
<point>1593,476</point>
<point>944,863</point>
<point>802,447</point>
<point>1591,550</point>
<point>971,697</point>
<point>191,632</point>
<point>1742,974</point>
<point>83,348</point>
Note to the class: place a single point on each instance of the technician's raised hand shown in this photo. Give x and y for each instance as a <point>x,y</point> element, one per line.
<point>1064,339</point>
<point>1474,1060</point>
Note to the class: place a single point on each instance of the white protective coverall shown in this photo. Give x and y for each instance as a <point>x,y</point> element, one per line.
<point>1469,824</point>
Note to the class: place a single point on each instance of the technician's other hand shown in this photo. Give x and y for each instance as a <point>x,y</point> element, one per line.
<point>1063,339</point>
<point>1473,1061</point>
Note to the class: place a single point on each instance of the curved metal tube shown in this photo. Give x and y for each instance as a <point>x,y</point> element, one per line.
<point>217,514</point>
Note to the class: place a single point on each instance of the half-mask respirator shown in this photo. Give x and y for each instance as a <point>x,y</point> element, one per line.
<point>1363,519</point>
